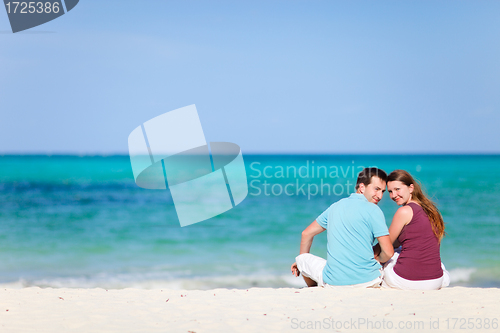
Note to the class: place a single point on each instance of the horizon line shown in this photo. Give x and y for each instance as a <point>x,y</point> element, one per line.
<point>100,154</point>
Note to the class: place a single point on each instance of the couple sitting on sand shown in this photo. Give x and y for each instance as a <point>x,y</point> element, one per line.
<point>352,225</point>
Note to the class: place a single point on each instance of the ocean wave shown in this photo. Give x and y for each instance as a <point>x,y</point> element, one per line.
<point>461,274</point>
<point>485,277</point>
<point>470,277</point>
<point>194,283</point>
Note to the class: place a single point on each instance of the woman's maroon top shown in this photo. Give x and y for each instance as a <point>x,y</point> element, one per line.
<point>419,258</point>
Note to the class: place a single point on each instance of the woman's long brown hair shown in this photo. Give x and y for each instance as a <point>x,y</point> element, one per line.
<point>419,196</point>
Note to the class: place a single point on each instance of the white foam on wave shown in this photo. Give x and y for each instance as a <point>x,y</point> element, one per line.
<point>149,280</point>
<point>142,282</point>
<point>461,274</point>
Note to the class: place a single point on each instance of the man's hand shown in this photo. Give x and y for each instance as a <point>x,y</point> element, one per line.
<point>295,269</point>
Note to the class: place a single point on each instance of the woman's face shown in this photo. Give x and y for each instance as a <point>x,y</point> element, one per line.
<point>399,192</point>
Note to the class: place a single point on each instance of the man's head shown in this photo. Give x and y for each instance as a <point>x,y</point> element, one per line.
<point>371,183</point>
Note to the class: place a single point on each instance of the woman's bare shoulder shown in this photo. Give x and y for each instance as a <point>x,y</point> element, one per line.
<point>405,212</point>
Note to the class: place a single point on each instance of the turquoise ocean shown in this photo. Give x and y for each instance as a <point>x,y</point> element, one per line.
<point>71,221</point>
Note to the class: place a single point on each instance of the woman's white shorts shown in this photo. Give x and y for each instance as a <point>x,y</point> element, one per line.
<point>391,280</point>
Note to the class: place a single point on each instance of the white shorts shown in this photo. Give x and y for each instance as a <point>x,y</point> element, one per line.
<point>312,266</point>
<point>392,280</point>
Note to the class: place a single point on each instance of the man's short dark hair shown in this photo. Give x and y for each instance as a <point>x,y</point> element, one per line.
<point>365,176</point>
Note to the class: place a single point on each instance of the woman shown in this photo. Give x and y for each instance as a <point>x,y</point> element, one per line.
<point>418,227</point>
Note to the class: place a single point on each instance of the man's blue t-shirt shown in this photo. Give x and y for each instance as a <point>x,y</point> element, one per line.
<point>352,225</point>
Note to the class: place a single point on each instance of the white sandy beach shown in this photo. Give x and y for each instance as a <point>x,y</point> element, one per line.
<point>253,310</point>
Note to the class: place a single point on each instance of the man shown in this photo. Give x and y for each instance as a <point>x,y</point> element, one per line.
<point>352,225</point>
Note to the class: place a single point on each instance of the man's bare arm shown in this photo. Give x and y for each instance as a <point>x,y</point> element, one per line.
<point>307,236</point>
<point>306,241</point>
<point>386,249</point>
<point>376,248</point>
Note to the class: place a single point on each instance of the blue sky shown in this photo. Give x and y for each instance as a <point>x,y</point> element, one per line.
<point>271,76</point>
